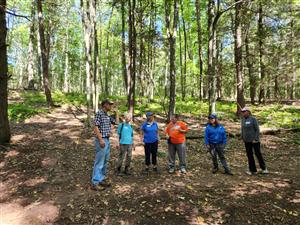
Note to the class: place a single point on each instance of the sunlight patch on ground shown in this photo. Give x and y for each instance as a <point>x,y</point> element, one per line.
<point>17,138</point>
<point>123,189</point>
<point>34,181</point>
<point>33,214</point>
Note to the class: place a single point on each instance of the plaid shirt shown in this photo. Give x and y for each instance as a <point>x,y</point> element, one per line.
<point>103,122</point>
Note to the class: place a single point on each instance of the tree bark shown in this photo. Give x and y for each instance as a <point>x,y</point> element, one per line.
<point>238,59</point>
<point>30,66</point>
<point>211,60</point>
<point>260,47</point>
<point>45,54</point>
<point>132,57</point>
<point>199,38</point>
<point>171,35</point>
<point>124,68</point>
<point>252,80</point>
<point>4,123</point>
<point>185,52</point>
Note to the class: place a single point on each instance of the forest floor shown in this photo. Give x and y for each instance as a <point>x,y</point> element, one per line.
<point>46,173</point>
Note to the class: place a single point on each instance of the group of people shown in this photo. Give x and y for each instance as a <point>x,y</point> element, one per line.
<point>215,141</point>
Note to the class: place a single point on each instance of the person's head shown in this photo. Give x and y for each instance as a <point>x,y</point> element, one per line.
<point>127,117</point>
<point>174,118</point>
<point>150,116</point>
<point>245,112</point>
<point>106,105</point>
<point>213,119</point>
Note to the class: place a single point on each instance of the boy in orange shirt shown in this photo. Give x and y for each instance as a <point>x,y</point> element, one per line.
<point>175,133</point>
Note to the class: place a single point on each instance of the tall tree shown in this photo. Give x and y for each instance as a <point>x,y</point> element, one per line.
<point>45,54</point>
<point>260,34</point>
<point>199,39</point>
<point>124,67</point>
<point>88,10</point>
<point>132,56</point>
<point>171,36</point>
<point>30,66</point>
<point>4,123</point>
<point>238,58</point>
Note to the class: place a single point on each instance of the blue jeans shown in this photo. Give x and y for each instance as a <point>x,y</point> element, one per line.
<point>101,161</point>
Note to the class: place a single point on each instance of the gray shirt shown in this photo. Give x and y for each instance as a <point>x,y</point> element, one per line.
<point>250,129</point>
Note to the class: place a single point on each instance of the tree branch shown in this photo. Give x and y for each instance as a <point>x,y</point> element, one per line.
<point>8,11</point>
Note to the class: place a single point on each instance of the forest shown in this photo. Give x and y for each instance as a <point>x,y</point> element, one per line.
<point>60,59</point>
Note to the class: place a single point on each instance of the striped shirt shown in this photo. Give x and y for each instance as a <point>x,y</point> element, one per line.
<point>103,122</point>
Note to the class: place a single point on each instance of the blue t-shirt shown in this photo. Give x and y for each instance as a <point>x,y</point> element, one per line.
<point>150,132</point>
<point>127,134</point>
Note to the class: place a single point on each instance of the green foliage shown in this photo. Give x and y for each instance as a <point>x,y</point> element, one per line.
<point>19,112</point>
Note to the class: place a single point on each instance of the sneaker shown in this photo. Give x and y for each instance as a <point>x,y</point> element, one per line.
<point>251,173</point>
<point>183,170</point>
<point>105,183</point>
<point>97,187</point>
<point>171,170</point>
<point>215,170</point>
<point>228,172</point>
<point>155,169</point>
<point>265,171</point>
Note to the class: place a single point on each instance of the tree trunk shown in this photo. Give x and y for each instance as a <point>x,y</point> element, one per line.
<point>171,35</point>
<point>185,51</point>
<point>252,80</point>
<point>4,123</point>
<point>30,66</point>
<point>219,49</point>
<point>66,72</point>
<point>124,69</point>
<point>45,54</point>
<point>238,58</point>
<point>211,57</point>
<point>132,57</point>
<point>96,64</point>
<point>87,22</point>
<point>260,49</point>
<point>199,38</point>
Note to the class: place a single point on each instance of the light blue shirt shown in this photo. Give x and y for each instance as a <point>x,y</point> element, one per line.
<point>126,135</point>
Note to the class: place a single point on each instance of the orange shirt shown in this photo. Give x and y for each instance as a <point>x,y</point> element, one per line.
<point>173,131</point>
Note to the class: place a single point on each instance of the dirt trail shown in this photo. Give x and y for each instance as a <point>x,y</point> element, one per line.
<point>45,179</point>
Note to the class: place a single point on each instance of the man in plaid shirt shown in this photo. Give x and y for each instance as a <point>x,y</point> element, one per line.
<point>102,132</point>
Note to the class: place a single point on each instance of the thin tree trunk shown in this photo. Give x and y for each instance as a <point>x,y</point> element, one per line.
<point>185,51</point>
<point>171,35</point>
<point>30,66</point>
<point>219,49</point>
<point>96,64</point>
<point>66,73</point>
<point>252,80</point>
<point>4,123</point>
<point>238,58</point>
<point>199,38</point>
<point>132,56</point>
<point>45,54</point>
<point>124,69</point>
<point>261,63</point>
<point>211,61</point>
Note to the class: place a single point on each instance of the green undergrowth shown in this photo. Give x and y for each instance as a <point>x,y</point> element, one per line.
<point>271,115</point>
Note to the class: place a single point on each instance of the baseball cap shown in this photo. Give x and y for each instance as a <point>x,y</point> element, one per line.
<point>106,101</point>
<point>149,114</point>
<point>212,116</point>
<point>245,109</point>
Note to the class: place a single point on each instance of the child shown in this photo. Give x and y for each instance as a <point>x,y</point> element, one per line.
<point>125,132</point>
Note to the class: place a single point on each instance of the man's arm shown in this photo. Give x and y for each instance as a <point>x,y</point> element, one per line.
<point>99,136</point>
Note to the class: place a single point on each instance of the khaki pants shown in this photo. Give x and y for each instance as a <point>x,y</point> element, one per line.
<point>124,150</point>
